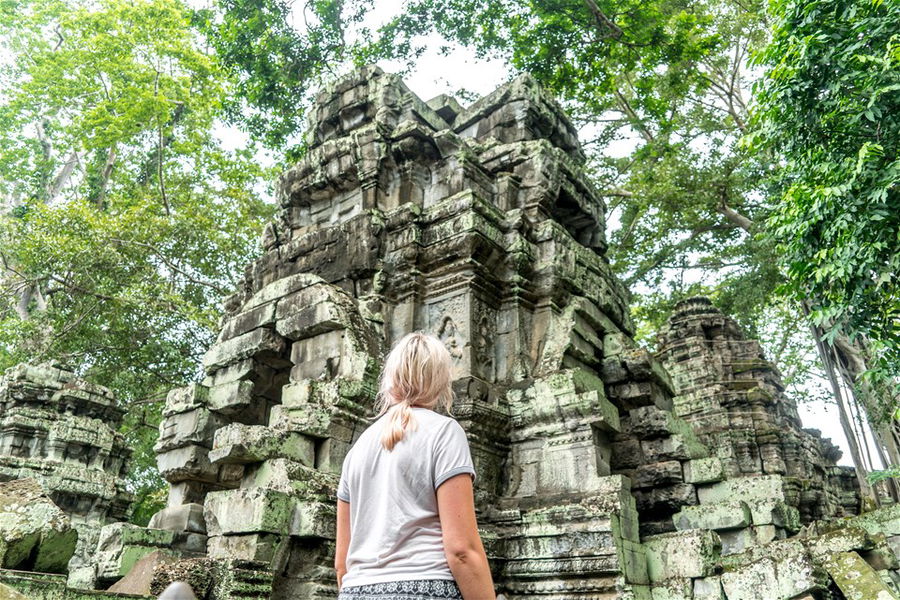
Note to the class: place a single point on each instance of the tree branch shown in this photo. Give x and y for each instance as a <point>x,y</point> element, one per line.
<point>604,21</point>
<point>172,265</point>
<point>735,217</point>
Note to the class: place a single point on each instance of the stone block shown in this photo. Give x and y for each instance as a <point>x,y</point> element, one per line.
<point>737,540</point>
<point>34,533</point>
<point>763,494</point>
<point>191,542</point>
<point>313,519</point>
<point>613,371</point>
<point>708,588</point>
<point>647,422</point>
<point>884,520</point>
<point>626,454</point>
<point>293,478</point>
<point>232,397</point>
<point>721,516</point>
<point>677,588</point>
<point>195,426</point>
<point>704,470</point>
<point>633,560</point>
<point>260,547</point>
<point>674,447</point>
<point>190,397</point>
<point>665,500</point>
<point>657,475</point>
<point>311,320</point>
<point>244,322</point>
<point>644,367</point>
<point>628,396</point>
<point>297,394</point>
<point>320,357</point>
<point>81,578</point>
<point>785,570</point>
<point>775,513</point>
<point>687,554</point>
<point>259,343</point>
<point>845,539</point>
<point>187,517</point>
<point>244,511</point>
<point>189,463</point>
<point>240,444</point>
<point>856,579</point>
<point>116,536</point>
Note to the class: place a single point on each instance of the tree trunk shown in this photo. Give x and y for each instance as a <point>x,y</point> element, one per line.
<point>851,357</point>
<point>100,194</point>
<point>62,178</point>
<point>865,487</point>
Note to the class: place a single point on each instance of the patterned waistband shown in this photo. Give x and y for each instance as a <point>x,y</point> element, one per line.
<point>416,589</point>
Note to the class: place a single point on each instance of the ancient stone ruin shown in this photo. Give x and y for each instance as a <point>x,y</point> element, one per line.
<point>600,476</point>
<point>734,400</point>
<point>61,432</point>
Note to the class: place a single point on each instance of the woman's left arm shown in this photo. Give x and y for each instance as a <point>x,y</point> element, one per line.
<point>343,540</point>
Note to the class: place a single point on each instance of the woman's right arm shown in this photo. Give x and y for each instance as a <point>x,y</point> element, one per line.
<point>343,541</point>
<point>462,544</point>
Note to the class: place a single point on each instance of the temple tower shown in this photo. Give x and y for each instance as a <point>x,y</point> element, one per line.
<point>62,431</point>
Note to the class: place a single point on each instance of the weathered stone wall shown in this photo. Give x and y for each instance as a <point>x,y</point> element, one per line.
<point>735,401</point>
<point>62,431</point>
<point>480,226</point>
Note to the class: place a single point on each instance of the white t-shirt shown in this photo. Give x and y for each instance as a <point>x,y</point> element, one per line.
<point>395,531</point>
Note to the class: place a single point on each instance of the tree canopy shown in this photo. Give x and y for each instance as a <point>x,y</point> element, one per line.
<point>126,220</point>
<point>829,115</point>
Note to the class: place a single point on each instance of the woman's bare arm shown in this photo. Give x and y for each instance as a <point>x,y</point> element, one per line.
<point>462,544</point>
<point>343,540</point>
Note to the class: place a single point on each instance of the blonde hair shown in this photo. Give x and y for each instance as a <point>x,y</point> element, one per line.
<point>417,372</point>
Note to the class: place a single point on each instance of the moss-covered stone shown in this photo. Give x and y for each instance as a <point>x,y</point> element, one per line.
<point>856,579</point>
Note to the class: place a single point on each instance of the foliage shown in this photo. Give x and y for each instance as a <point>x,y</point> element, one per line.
<point>882,475</point>
<point>276,64</point>
<point>125,220</point>
<point>829,105</point>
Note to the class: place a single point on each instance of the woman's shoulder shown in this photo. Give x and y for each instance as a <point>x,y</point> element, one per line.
<point>434,419</point>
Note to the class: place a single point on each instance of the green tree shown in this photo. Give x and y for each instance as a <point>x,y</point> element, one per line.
<point>829,109</point>
<point>837,133</point>
<point>277,62</point>
<point>125,221</point>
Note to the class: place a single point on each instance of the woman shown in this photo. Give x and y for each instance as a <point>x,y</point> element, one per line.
<point>406,513</point>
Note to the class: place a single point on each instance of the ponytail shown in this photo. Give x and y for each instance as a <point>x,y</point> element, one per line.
<point>400,418</point>
<point>416,373</point>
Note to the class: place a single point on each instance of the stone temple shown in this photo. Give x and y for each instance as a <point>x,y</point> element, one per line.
<point>61,431</point>
<point>604,472</point>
